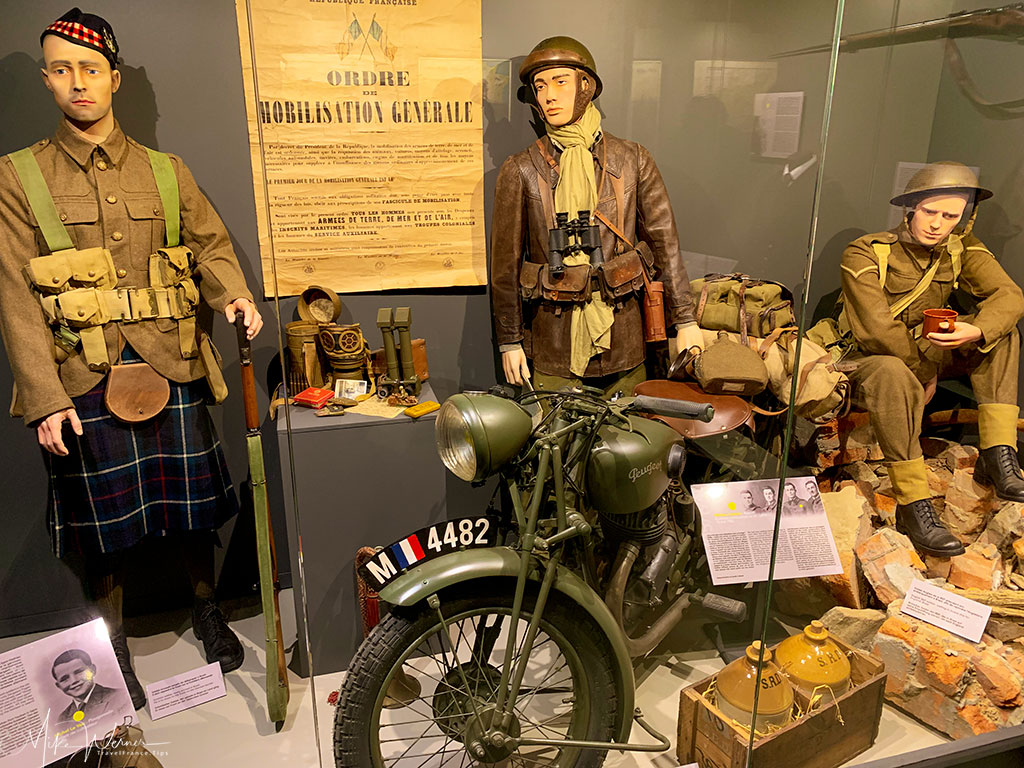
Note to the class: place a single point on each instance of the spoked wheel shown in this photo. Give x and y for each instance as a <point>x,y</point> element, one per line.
<point>568,691</point>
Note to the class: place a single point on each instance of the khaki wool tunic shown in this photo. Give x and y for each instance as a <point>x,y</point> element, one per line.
<point>107,197</point>
<point>893,362</point>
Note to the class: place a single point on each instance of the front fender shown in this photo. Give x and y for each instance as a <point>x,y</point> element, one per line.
<point>457,567</point>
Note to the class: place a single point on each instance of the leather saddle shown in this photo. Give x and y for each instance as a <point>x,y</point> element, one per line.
<point>731,412</point>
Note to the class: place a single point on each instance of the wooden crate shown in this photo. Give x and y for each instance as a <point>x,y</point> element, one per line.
<point>710,739</point>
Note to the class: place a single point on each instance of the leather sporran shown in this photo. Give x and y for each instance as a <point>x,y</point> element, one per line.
<point>135,392</point>
<point>727,367</point>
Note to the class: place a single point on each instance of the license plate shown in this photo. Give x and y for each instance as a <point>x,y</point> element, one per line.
<point>426,544</point>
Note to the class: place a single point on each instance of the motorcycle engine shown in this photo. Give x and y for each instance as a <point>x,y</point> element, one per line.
<point>661,533</point>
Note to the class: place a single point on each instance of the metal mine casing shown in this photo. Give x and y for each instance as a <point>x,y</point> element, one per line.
<point>627,471</point>
<point>736,683</point>
<point>812,659</point>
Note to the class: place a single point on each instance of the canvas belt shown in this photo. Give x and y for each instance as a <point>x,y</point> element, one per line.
<point>78,314</point>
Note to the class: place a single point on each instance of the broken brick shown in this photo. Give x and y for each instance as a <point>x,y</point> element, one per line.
<point>890,564</point>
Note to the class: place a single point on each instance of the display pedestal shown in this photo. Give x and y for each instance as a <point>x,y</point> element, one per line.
<point>361,481</point>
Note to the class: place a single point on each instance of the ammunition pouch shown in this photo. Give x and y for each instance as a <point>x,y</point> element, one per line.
<point>68,269</point>
<point>622,276</point>
<point>573,287</point>
<point>78,295</point>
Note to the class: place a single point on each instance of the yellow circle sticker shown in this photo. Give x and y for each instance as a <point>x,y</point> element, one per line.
<point>79,716</point>
<point>732,505</point>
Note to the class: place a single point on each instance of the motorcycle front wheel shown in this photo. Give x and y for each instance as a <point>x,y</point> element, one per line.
<point>414,698</point>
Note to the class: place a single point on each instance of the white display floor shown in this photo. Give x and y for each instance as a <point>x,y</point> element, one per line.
<point>235,728</point>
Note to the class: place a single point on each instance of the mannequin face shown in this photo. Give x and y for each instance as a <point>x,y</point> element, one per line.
<point>555,91</point>
<point>80,79</point>
<point>936,216</point>
<point>74,678</point>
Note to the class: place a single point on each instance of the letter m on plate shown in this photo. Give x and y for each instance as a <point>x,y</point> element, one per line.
<point>381,567</point>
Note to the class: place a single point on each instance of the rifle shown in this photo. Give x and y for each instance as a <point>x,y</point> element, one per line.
<point>277,684</point>
<point>1007,21</point>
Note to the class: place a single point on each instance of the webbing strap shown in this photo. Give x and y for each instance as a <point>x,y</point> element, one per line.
<point>39,199</point>
<point>882,251</point>
<point>919,289</point>
<point>167,186</point>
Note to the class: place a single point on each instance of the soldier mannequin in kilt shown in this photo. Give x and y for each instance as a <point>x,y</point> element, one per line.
<point>84,216</point>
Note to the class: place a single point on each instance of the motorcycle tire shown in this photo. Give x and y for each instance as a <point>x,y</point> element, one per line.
<point>402,641</point>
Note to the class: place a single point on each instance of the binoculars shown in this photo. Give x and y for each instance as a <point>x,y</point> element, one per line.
<point>571,237</point>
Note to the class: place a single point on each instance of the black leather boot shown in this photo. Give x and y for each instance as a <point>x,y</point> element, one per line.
<point>999,467</point>
<point>920,523</point>
<point>124,661</point>
<point>219,642</point>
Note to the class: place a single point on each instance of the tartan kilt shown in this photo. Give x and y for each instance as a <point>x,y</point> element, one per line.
<point>122,482</point>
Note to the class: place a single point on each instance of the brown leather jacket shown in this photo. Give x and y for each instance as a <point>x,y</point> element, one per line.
<point>519,232</point>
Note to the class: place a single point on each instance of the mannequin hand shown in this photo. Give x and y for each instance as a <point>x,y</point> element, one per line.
<point>253,319</point>
<point>515,366</point>
<point>49,430</point>
<point>963,333</point>
<point>929,389</point>
<point>687,337</point>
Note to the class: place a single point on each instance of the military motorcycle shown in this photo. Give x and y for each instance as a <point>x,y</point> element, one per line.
<point>511,635</point>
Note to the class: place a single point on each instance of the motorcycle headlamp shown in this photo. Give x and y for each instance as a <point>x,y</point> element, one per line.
<point>477,433</point>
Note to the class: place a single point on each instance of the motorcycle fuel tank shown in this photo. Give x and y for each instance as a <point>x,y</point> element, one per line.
<point>628,471</point>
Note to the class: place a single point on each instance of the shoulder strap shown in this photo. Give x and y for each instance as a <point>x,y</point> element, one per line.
<point>882,251</point>
<point>40,200</point>
<point>167,186</point>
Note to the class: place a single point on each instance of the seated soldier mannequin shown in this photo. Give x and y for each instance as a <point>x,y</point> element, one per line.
<point>589,338</point>
<point>85,216</point>
<point>888,280</point>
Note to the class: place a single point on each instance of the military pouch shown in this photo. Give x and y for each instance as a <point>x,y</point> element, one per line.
<point>135,392</point>
<point>170,266</point>
<point>529,280</point>
<point>58,272</point>
<point>211,365</point>
<point>622,276</point>
<point>83,308</point>
<point>573,287</point>
<point>727,367</point>
<point>741,304</point>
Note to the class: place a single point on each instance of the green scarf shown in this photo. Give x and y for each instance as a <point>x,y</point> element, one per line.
<point>591,324</point>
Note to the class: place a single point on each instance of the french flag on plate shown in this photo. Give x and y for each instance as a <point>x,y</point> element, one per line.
<point>408,551</point>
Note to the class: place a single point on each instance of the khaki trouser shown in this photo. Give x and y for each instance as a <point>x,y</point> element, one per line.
<point>884,387</point>
<point>609,385</point>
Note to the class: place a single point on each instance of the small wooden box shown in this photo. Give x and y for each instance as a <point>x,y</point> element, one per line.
<point>709,738</point>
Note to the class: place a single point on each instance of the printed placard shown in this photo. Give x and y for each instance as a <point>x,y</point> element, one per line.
<point>738,524</point>
<point>946,610</point>
<point>184,691</point>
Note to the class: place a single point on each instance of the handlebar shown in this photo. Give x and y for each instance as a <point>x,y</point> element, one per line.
<point>678,409</point>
